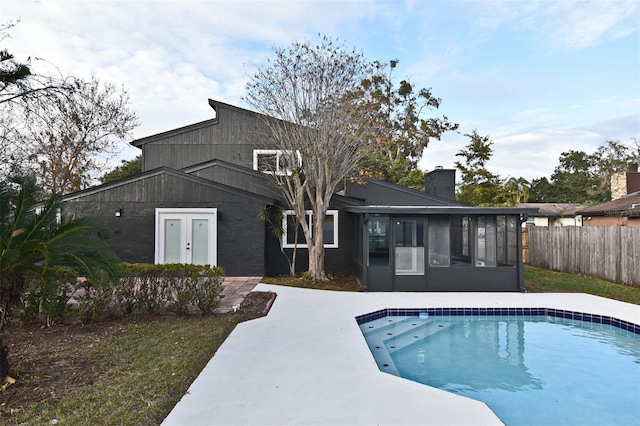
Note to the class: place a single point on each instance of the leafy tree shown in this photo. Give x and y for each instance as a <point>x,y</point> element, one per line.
<point>399,131</point>
<point>515,191</point>
<point>585,178</point>
<point>478,186</point>
<point>309,89</point>
<point>35,240</point>
<point>575,180</point>
<point>11,72</point>
<point>540,191</point>
<point>125,169</point>
<point>614,157</point>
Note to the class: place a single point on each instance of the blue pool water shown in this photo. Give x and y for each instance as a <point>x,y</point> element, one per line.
<point>530,370</point>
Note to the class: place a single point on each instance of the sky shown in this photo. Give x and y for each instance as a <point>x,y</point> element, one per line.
<point>538,77</point>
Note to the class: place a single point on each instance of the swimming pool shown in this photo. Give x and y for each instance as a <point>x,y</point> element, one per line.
<point>575,368</point>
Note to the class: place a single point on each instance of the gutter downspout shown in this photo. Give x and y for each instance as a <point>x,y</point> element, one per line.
<point>365,252</point>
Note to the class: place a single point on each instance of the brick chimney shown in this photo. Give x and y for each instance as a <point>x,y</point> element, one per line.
<point>441,182</point>
<point>624,183</point>
<point>633,178</point>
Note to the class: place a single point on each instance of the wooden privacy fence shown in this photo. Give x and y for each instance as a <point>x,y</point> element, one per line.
<point>611,253</point>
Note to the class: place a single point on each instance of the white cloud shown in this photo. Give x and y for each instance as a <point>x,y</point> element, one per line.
<point>566,24</point>
<point>173,55</point>
<point>578,24</point>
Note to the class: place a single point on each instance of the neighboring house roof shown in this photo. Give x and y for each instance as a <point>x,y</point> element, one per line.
<point>554,209</point>
<point>627,205</point>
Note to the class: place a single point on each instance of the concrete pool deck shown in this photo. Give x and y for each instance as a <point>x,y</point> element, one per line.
<point>307,363</point>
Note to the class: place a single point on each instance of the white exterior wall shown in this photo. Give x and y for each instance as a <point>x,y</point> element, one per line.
<point>555,221</point>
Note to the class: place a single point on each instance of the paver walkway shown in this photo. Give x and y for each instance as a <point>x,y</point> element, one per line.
<point>234,291</point>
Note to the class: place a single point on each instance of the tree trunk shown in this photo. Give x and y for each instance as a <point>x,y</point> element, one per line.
<point>4,361</point>
<point>316,251</point>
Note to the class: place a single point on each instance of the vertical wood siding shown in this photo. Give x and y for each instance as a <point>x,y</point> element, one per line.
<point>232,138</point>
<point>611,253</point>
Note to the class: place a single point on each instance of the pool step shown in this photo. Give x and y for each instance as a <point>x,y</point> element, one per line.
<point>388,337</point>
<point>376,332</point>
<point>409,337</point>
<point>380,330</point>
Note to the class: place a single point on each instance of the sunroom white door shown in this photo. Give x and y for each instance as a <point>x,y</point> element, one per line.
<point>186,236</point>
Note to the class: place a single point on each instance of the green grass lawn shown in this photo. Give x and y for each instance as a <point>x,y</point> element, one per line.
<point>545,281</point>
<point>151,365</point>
<point>144,371</point>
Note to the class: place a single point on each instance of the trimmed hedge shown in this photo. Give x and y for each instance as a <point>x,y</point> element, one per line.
<point>180,288</point>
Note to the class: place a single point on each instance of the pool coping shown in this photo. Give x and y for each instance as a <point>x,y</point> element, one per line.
<point>307,362</point>
<point>550,312</point>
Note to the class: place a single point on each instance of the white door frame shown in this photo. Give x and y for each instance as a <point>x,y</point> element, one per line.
<point>186,215</point>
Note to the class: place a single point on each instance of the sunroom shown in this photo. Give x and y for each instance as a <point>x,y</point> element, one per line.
<point>437,248</point>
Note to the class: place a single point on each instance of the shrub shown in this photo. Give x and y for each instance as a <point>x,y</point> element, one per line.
<point>180,287</point>
<point>125,292</point>
<point>207,289</point>
<point>152,289</point>
<point>96,297</point>
<point>47,298</point>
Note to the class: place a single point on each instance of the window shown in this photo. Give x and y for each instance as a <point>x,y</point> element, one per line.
<point>275,161</point>
<point>507,240</point>
<point>378,227</point>
<point>439,250</point>
<point>485,241</point>
<point>292,235</point>
<point>459,242</point>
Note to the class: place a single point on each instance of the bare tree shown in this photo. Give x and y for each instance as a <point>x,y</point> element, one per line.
<point>69,139</point>
<point>309,88</point>
<point>20,89</point>
<point>60,129</point>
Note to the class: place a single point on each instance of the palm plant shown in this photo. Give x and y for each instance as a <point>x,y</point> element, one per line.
<point>35,240</point>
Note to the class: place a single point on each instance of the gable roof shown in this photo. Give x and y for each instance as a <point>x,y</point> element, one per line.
<point>139,143</point>
<point>378,192</point>
<point>165,171</point>
<point>217,106</point>
<point>627,205</point>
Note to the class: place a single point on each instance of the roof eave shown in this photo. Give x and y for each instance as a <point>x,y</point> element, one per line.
<point>433,210</point>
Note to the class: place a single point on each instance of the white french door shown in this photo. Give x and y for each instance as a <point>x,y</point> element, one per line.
<point>186,236</point>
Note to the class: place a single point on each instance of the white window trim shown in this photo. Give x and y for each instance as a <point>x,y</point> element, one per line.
<point>278,152</point>
<point>308,213</point>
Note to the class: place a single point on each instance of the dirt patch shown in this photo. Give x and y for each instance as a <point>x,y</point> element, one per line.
<point>49,363</point>
<point>335,283</point>
<point>55,362</point>
<point>257,304</point>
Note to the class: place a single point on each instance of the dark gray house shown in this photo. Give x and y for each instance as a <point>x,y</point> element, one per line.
<point>205,196</point>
